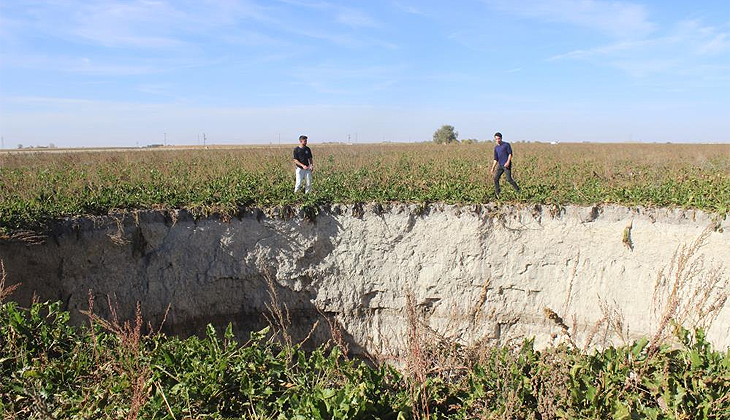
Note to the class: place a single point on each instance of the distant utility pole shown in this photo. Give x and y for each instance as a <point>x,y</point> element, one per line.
<point>198,139</point>
<point>165,142</point>
<point>348,139</point>
<point>279,139</point>
<point>204,139</point>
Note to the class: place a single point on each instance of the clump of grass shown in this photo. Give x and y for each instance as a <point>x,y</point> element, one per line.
<point>626,239</point>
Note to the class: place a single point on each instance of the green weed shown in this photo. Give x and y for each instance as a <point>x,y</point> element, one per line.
<point>111,369</point>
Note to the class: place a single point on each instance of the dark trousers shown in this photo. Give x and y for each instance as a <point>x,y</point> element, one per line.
<point>508,172</point>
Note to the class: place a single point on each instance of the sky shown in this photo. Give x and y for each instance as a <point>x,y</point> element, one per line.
<point>132,73</point>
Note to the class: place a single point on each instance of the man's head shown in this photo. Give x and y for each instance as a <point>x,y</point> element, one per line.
<point>498,137</point>
<point>303,140</point>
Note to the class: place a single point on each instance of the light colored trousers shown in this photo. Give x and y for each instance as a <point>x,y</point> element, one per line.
<point>306,176</point>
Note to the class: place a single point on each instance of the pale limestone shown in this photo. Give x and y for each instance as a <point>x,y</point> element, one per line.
<point>475,272</point>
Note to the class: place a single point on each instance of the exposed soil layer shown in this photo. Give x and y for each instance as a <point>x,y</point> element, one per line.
<point>472,272</point>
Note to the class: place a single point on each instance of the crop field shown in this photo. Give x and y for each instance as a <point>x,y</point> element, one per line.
<point>36,188</point>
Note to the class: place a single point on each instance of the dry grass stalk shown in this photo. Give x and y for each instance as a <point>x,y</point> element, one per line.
<point>416,362</point>
<point>140,392</point>
<point>569,295</point>
<point>592,333</point>
<point>129,335</point>
<point>164,398</point>
<point>430,353</point>
<point>310,333</point>
<point>615,321</point>
<point>118,237</point>
<point>336,335</point>
<point>278,315</point>
<point>28,237</point>
<point>5,291</point>
<point>552,316</point>
<point>482,298</point>
<point>687,293</point>
<point>94,339</point>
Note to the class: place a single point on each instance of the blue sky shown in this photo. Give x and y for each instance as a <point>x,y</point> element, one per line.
<point>122,73</point>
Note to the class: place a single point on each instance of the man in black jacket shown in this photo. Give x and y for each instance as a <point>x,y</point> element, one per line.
<point>502,163</point>
<point>303,163</point>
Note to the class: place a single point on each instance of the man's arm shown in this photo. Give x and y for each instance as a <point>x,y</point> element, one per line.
<point>509,156</point>
<point>311,163</point>
<point>494,165</point>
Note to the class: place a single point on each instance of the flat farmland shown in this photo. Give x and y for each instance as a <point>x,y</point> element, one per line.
<point>39,187</point>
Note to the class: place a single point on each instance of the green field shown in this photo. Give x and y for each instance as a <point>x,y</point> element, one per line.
<point>37,188</point>
<point>116,371</point>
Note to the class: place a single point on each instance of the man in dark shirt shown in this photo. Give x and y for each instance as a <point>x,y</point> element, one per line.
<point>502,162</point>
<point>304,164</point>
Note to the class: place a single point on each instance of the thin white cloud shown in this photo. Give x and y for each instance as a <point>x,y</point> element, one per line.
<point>130,24</point>
<point>704,40</point>
<point>689,49</point>
<point>90,67</point>
<point>353,80</point>
<point>308,4</point>
<point>356,19</point>
<point>134,24</point>
<point>158,89</point>
<point>615,48</point>
<point>409,8</point>
<point>81,65</point>
<point>616,18</point>
<point>61,104</point>
<point>251,38</point>
<point>48,100</point>
<point>717,45</point>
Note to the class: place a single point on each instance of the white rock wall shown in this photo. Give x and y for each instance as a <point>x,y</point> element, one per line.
<point>475,272</point>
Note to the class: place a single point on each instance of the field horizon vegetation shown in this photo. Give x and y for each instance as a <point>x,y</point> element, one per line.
<point>39,187</point>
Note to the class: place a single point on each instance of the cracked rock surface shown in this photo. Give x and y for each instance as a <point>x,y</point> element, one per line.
<point>473,273</point>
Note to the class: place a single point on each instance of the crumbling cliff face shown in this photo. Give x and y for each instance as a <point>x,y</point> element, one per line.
<point>468,273</point>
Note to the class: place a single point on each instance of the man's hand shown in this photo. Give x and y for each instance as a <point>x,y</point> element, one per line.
<point>506,165</point>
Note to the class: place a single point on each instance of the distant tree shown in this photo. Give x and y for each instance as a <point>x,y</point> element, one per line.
<point>445,134</point>
<point>470,141</point>
<point>20,146</point>
<point>51,146</point>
